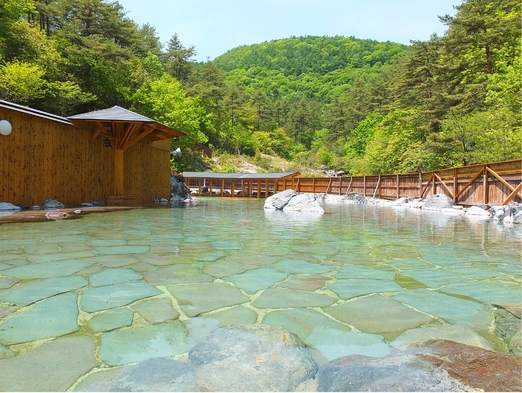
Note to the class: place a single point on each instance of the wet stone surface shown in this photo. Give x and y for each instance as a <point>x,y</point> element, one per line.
<point>145,299</point>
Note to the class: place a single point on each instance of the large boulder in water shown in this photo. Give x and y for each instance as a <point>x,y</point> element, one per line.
<point>289,200</point>
<point>280,200</point>
<point>438,202</point>
<point>251,358</point>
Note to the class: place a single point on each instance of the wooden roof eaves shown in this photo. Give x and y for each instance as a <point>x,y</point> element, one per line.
<point>33,112</point>
<point>224,175</point>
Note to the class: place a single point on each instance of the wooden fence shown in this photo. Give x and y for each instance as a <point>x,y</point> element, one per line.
<point>496,183</point>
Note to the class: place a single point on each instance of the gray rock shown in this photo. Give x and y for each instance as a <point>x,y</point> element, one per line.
<point>401,372</point>
<point>514,208</point>
<point>178,188</point>
<point>356,198</point>
<point>438,202</point>
<point>304,203</point>
<point>87,204</point>
<point>98,202</point>
<point>499,212</point>
<point>478,211</point>
<point>8,206</point>
<point>508,328</point>
<point>53,204</point>
<point>517,219</point>
<point>155,375</point>
<point>280,200</point>
<point>251,358</point>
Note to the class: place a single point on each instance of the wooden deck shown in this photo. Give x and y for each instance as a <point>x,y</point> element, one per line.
<point>246,185</point>
<point>495,183</point>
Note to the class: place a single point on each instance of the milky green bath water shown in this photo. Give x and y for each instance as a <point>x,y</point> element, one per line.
<point>360,279</point>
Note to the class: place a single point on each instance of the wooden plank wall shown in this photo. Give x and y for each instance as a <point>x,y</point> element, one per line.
<point>43,159</point>
<point>147,171</point>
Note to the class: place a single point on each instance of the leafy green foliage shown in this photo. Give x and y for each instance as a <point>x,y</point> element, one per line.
<point>361,106</point>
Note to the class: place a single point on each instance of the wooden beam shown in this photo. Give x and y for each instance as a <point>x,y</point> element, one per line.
<point>509,186</point>
<point>377,187</point>
<point>512,195</point>
<point>425,188</point>
<point>137,138</point>
<point>468,184</point>
<point>444,185</point>
<point>127,133</point>
<point>99,130</point>
<point>329,185</point>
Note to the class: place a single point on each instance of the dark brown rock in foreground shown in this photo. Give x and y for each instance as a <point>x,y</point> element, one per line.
<point>473,366</point>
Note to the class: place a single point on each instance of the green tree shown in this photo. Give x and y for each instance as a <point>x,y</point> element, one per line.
<point>178,59</point>
<point>165,101</point>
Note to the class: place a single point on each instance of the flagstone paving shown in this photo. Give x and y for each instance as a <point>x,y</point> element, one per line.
<point>111,290</point>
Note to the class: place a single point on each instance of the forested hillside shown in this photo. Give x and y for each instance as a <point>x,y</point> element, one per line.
<point>361,106</point>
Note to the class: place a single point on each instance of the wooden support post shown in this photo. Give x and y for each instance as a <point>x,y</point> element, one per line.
<point>199,186</point>
<point>455,185</point>
<point>329,185</point>
<point>398,187</point>
<point>313,185</point>
<point>222,187</point>
<point>420,184</point>
<point>276,184</point>
<point>485,184</point>
<point>340,184</point>
<point>232,191</point>
<point>377,187</point>
<point>118,172</point>
<point>364,185</point>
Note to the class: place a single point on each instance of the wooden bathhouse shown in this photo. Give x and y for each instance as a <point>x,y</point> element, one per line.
<point>114,154</point>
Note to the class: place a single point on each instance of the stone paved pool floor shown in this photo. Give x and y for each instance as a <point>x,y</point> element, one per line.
<point>80,298</point>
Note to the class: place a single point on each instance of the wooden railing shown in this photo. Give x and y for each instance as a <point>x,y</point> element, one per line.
<point>495,183</point>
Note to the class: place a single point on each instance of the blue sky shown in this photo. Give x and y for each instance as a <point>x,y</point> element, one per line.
<point>216,26</point>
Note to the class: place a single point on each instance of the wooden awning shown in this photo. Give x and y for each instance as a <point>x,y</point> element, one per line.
<point>124,127</point>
